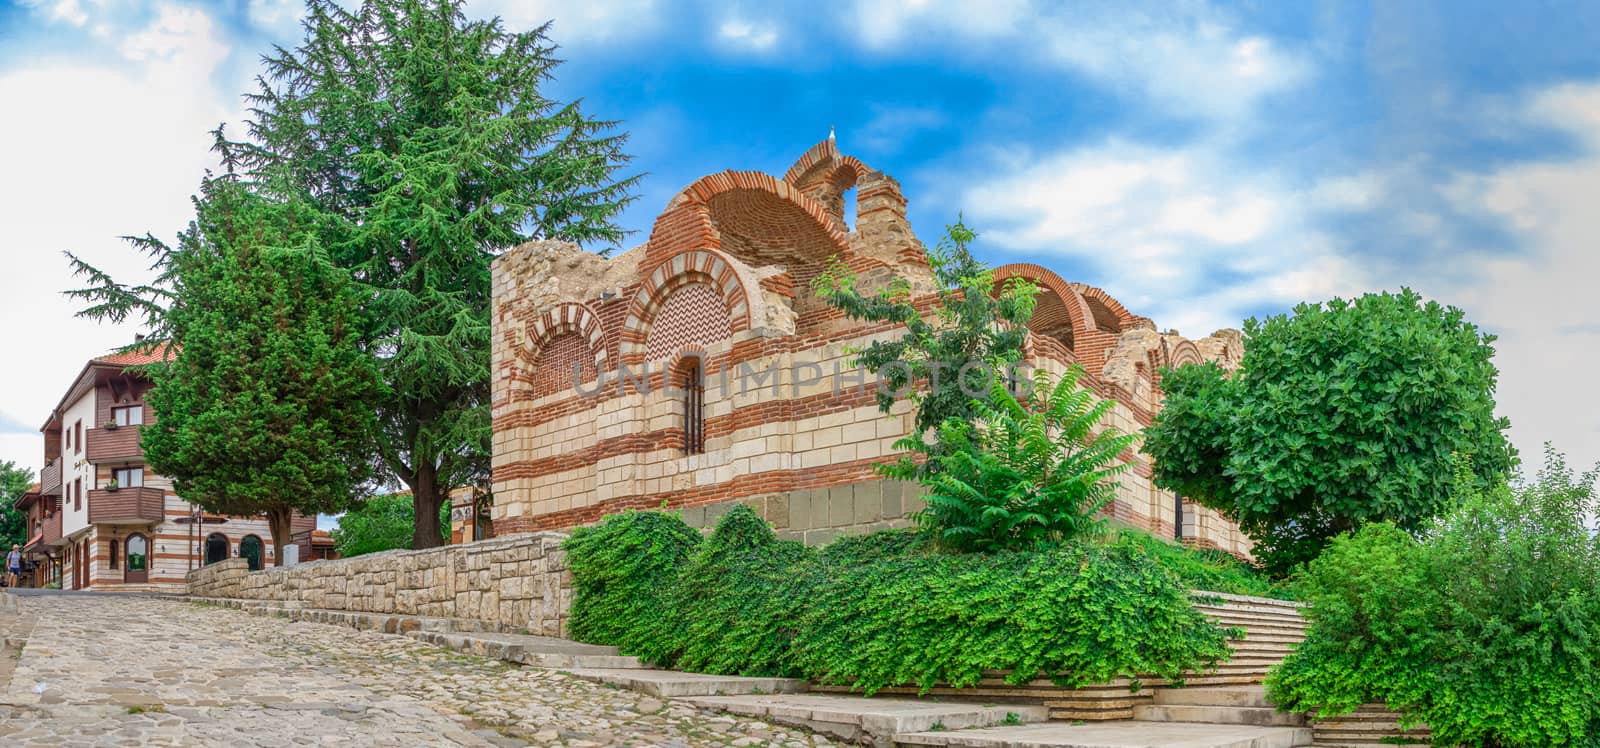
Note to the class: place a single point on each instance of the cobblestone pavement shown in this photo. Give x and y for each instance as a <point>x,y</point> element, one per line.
<point>118,670</point>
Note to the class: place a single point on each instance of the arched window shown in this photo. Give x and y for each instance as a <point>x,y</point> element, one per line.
<point>250,550</point>
<point>216,548</point>
<point>694,409</point>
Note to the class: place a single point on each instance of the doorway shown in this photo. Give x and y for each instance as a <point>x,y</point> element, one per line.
<point>250,550</point>
<point>216,548</point>
<point>136,567</point>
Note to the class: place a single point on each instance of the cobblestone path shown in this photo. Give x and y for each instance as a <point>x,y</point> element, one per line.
<point>115,670</point>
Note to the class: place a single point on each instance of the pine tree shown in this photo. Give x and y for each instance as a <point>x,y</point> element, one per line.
<point>424,144</point>
<point>266,405</point>
<point>427,141</point>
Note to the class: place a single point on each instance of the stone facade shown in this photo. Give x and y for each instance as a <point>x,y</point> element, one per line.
<point>592,358</point>
<point>517,583</point>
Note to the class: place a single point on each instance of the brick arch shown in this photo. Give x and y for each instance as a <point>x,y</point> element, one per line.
<point>696,266</point>
<point>1060,306</point>
<point>748,215</point>
<point>565,318</point>
<point>1185,352</point>
<point>1109,314</point>
<point>825,175</point>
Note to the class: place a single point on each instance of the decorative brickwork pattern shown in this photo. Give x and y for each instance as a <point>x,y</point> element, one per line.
<point>693,317</point>
<point>563,364</point>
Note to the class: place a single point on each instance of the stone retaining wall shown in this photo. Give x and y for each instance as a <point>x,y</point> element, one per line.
<point>515,583</point>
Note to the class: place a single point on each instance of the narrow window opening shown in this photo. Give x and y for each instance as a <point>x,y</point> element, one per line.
<point>694,411</point>
<point>1177,515</point>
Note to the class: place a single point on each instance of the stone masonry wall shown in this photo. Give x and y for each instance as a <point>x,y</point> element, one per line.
<point>590,357</point>
<point>512,583</point>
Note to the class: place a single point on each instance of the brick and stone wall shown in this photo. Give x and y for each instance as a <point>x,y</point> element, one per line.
<point>513,583</point>
<point>585,348</point>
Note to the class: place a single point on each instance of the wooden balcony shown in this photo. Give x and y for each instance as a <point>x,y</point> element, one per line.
<point>50,478</point>
<point>126,506</point>
<point>51,532</point>
<point>110,445</point>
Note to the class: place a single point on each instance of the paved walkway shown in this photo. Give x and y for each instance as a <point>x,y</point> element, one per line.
<point>114,670</point>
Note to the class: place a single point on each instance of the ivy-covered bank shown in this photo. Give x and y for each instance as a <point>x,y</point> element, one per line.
<point>883,609</point>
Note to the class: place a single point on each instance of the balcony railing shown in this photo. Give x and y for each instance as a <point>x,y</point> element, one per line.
<point>50,478</point>
<point>52,529</point>
<point>121,443</point>
<point>126,505</point>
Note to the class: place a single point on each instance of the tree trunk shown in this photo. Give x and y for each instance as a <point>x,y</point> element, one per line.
<point>278,520</point>
<point>425,502</point>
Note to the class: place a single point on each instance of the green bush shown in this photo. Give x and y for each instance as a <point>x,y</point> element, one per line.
<point>380,523</point>
<point>625,571</point>
<point>1339,414</point>
<point>736,599</point>
<point>1487,628</point>
<point>885,609</point>
<point>1024,473</point>
<point>1203,569</point>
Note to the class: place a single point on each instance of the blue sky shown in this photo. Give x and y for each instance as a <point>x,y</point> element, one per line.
<point>1202,161</point>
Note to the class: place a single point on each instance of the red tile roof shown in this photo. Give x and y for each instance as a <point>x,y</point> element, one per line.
<point>137,356</point>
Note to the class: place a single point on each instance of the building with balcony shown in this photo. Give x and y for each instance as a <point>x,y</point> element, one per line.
<point>42,518</point>
<point>104,521</point>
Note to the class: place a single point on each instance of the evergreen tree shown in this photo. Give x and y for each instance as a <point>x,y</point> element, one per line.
<point>266,405</point>
<point>427,141</point>
<point>424,144</point>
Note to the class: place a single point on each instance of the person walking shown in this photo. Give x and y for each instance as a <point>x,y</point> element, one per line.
<point>13,565</point>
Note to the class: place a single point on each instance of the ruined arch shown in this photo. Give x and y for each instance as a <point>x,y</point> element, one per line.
<point>699,267</point>
<point>1108,313</point>
<point>1061,313</point>
<point>1185,352</point>
<point>564,319</point>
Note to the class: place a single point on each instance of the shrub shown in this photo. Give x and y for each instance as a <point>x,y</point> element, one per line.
<point>1025,473</point>
<point>1340,414</point>
<point>1487,628</point>
<point>1076,615</point>
<point>883,610</point>
<point>1203,569</point>
<point>380,523</point>
<point>625,571</point>
<point>736,600</point>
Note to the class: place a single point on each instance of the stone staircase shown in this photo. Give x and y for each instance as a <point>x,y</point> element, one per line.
<point>1224,709</point>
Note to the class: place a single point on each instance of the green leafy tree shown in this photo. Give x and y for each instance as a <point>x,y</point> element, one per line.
<point>426,144</point>
<point>379,523</point>
<point>976,331</point>
<point>1021,472</point>
<point>265,405</point>
<point>1340,414</point>
<point>1485,626</point>
<point>14,482</point>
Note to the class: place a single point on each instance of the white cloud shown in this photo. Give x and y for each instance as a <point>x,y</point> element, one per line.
<point>1191,58</point>
<point>1158,225</point>
<point>1543,303</point>
<point>884,23</point>
<point>66,11</point>
<point>105,149</point>
<point>741,33</point>
<point>577,22</point>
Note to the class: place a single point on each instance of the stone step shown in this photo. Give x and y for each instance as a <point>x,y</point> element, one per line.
<point>1219,715</point>
<point>860,719</point>
<point>1119,734</point>
<point>526,649</point>
<point>673,684</point>
<point>1240,696</point>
